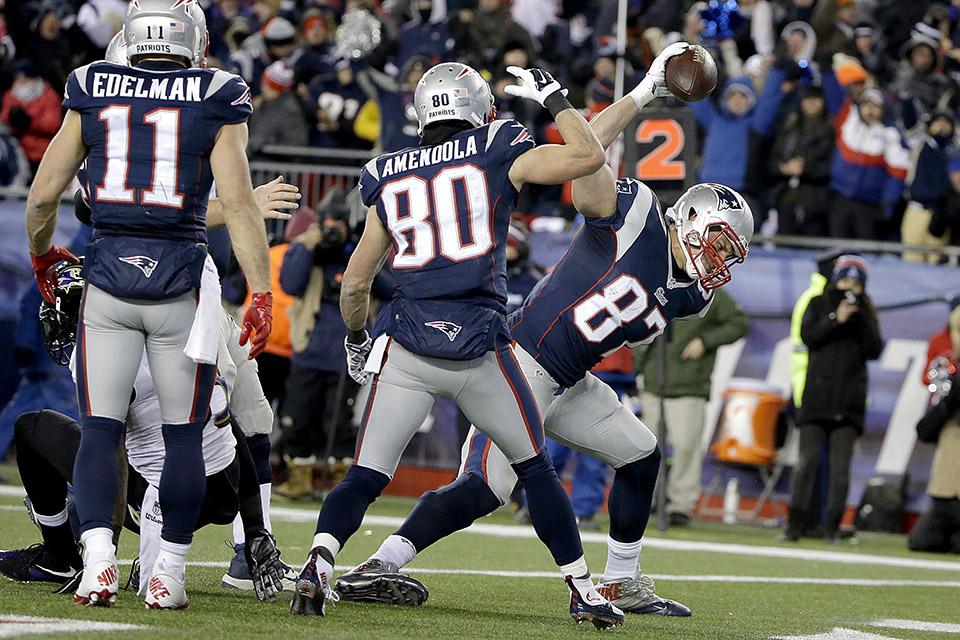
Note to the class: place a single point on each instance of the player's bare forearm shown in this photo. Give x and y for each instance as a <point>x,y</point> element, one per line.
<point>609,123</point>
<point>60,163</point>
<point>228,160</point>
<point>249,239</point>
<point>580,143</point>
<point>364,265</point>
<point>215,214</point>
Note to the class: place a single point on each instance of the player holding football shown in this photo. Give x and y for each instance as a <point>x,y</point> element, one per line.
<point>629,271</point>
<point>445,209</point>
<point>155,135</point>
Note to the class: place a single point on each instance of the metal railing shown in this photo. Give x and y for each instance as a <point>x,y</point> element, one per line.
<point>951,255</point>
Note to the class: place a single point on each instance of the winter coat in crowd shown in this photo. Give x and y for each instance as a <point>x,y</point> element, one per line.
<point>32,111</point>
<point>733,140</point>
<point>277,121</point>
<point>836,386</point>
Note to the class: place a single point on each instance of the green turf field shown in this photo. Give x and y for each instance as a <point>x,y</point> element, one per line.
<point>718,571</point>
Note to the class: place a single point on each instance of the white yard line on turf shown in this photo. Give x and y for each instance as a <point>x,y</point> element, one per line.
<point>552,575</point>
<point>289,514</point>
<point>917,625</point>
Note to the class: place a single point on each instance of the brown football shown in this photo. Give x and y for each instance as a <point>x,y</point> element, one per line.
<point>692,75</point>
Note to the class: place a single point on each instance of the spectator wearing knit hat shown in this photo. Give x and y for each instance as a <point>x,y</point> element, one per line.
<point>277,41</point>
<point>277,117</point>
<point>919,77</point>
<point>842,332</point>
<point>928,185</point>
<point>869,166</point>
<point>31,108</point>
<point>316,56</point>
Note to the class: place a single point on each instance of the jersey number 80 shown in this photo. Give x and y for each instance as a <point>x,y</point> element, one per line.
<point>431,223</point>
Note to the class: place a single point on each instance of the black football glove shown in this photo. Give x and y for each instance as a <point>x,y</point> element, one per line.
<point>263,561</point>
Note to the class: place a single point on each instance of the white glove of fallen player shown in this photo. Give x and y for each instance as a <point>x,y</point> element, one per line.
<point>357,358</point>
<point>535,84</point>
<point>654,84</point>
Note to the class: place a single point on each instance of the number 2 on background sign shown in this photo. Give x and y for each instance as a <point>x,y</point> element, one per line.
<point>661,163</point>
<point>166,143</point>
<point>415,234</point>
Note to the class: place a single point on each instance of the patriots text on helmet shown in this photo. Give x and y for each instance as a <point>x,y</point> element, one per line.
<point>449,150</point>
<point>108,85</point>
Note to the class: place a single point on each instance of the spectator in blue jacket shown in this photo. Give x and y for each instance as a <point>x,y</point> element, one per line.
<point>315,416</point>
<point>421,37</point>
<point>929,185</point>
<point>869,166</point>
<point>736,130</point>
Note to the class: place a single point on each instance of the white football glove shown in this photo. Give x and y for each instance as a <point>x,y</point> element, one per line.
<point>654,84</point>
<point>535,84</point>
<point>357,358</point>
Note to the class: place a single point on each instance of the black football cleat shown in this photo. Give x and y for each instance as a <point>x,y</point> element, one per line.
<point>378,581</point>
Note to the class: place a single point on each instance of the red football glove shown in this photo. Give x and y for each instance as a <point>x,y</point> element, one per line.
<point>258,320</point>
<point>45,274</point>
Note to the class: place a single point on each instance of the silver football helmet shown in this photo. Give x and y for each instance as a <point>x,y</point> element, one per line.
<point>715,226</point>
<point>167,27</point>
<point>117,50</point>
<point>453,91</point>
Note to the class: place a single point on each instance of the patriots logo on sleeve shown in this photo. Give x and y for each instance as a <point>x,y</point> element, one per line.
<point>243,99</point>
<point>726,196</point>
<point>144,263</point>
<point>449,329</point>
<point>523,136</point>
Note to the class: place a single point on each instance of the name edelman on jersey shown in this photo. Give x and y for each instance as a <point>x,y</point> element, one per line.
<point>109,85</point>
<point>449,150</point>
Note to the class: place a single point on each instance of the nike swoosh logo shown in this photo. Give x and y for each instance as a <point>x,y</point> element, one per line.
<point>62,574</point>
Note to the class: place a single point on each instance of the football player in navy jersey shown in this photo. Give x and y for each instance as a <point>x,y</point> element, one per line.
<point>155,135</point>
<point>630,270</point>
<point>444,208</point>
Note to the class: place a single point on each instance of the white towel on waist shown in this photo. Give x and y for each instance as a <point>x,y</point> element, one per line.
<point>203,343</point>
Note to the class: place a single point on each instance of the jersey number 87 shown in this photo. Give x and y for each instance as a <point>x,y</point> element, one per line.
<point>416,231</point>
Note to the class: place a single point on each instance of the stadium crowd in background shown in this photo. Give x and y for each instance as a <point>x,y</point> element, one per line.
<point>835,117</point>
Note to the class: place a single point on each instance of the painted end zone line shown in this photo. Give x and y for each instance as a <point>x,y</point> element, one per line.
<point>514,531</point>
<point>289,514</point>
<point>553,575</point>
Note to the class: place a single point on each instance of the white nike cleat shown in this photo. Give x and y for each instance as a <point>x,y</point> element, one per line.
<point>99,585</point>
<point>165,592</point>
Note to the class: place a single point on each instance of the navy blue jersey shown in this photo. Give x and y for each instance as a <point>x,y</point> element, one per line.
<point>617,285</point>
<point>447,209</point>
<point>149,132</point>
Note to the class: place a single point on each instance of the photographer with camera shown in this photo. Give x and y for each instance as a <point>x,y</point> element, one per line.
<point>315,417</point>
<point>938,530</point>
<point>842,333</point>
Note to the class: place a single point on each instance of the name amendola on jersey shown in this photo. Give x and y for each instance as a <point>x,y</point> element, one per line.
<point>417,158</point>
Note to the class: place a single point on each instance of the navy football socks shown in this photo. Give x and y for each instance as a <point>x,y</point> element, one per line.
<point>449,509</point>
<point>631,497</point>
<point>259,446</point>
<point>343,508</point>
<point>183,483</point>
<point>550,509</point>
<point>95,477</point>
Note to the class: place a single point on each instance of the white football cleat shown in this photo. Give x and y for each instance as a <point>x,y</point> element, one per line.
<point>99,585</point>
<point>165,592</point>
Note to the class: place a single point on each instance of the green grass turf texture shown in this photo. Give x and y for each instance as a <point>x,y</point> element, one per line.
<point>465,606</point>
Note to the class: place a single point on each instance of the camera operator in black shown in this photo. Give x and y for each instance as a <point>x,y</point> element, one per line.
<point>318,392</point>
<point>842,333</point>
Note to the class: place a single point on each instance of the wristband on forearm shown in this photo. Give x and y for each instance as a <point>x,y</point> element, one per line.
<point>557,102</point>
<point>357,337</point>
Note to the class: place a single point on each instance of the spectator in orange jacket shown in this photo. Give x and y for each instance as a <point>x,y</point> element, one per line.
<point>32,111</point>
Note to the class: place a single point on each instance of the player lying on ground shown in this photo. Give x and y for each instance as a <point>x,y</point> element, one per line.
<point>155,134</point>
<point>47,444</point>
<point>447,327</point>
<point>629,271</point>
